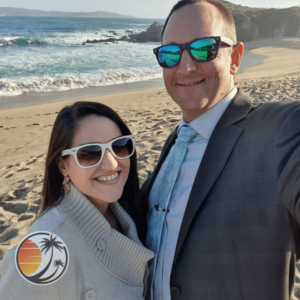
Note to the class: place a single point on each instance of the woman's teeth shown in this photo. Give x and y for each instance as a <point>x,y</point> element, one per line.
<point>108,178</point>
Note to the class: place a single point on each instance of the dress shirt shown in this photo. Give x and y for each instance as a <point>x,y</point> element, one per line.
<point>204,125</point>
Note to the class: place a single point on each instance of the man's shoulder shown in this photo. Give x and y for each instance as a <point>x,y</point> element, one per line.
<point>278,106</point>
<point>272,113</point>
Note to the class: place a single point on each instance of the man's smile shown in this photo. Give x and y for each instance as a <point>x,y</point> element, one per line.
<point>190,84</point>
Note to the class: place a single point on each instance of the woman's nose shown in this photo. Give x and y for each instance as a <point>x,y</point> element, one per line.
<point>108,162</point>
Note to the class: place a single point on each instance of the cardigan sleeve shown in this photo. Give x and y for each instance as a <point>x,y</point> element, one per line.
<point>14,286</point>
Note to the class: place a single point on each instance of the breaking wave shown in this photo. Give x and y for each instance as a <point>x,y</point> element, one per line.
<point>20,41</point>
<point>63,82</point>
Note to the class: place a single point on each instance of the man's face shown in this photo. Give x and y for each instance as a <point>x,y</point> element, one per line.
<point>214,79</point>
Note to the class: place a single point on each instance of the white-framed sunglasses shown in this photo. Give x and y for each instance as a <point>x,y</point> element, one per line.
<point>91,155</point>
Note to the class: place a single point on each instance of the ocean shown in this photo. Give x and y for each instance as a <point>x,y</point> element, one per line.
<point>45,54</point>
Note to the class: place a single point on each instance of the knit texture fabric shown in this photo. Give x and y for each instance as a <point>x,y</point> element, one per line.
<point>102,261</point>
<point>124,254</point>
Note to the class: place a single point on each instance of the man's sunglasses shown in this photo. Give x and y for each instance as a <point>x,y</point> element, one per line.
<point>200,50</point>
<point>90,155</point>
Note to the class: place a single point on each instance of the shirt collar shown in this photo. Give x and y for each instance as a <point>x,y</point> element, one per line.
<point>206,123</point>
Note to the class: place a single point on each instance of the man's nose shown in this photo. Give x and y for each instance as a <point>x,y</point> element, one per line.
<point>108,162</point>
<point>186,64</point>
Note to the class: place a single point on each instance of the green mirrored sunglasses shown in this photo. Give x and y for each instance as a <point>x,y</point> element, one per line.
<point>200,50</point>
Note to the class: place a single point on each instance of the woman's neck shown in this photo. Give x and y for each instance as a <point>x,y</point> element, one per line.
<point>103,207</point>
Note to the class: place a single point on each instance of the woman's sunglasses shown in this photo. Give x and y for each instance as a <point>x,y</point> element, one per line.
<point>200,50</point>
<point>90,155</point>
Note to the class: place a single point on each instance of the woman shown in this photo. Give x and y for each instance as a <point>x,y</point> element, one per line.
<point>98,252</point>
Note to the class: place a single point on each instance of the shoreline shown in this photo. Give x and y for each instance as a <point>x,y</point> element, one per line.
<point>281,57</point>
<point>261,58</point>
<point>78,94</point>
<point>249,60</point>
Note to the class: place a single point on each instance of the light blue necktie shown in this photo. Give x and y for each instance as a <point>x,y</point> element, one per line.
<point>157,217</point>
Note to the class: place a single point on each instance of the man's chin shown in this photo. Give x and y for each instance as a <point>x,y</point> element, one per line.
<point>191,109</point>
<point>192,103</point>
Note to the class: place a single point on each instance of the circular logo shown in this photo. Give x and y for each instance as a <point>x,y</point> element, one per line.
<point>42,258</point>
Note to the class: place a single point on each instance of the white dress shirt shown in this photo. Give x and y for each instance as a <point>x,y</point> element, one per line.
<point>204,125</point>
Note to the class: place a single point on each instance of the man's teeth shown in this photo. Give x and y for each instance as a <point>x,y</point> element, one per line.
<point>107,178</point>
<point>190,84</point>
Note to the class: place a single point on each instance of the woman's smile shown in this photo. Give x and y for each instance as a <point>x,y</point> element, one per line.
<point>108,179</point>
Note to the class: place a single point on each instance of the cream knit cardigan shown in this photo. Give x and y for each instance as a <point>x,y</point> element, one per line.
<point>102,260</point>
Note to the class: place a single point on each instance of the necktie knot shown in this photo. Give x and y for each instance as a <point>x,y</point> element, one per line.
<point>186,134</point>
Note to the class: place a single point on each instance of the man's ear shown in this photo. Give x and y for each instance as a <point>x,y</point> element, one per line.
<point>236,57</point>
<point>61,164</point>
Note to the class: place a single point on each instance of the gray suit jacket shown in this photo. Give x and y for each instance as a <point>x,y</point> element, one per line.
<point>240,234</point>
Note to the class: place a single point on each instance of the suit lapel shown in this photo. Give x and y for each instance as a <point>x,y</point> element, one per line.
<point>219,148</point>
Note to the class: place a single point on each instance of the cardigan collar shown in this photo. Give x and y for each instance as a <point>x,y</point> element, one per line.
<point>123,255</point>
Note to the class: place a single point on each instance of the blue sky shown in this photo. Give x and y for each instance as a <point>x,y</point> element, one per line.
<point>137,8</point>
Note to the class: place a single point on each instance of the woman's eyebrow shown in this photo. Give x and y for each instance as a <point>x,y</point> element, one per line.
<point>99,143</point>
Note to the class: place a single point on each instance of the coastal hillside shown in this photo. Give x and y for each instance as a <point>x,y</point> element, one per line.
<point>253,23</point>
<point>11,11</point>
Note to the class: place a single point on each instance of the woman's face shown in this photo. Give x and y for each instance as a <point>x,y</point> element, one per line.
<point>95,129</point>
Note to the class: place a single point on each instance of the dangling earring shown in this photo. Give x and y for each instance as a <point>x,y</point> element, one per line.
<point>66,186</point>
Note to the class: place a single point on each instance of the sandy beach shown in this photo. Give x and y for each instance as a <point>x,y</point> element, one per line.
<point>149,113</point>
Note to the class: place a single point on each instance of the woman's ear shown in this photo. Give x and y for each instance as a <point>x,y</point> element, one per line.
<point>61,164</point>
<point>236,57</point>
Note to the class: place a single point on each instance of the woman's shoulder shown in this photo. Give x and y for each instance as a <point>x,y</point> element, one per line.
<point>54,222</point>
<point>49,220</point>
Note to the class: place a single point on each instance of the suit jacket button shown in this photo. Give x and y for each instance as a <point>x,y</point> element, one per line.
<point>175,291</point>
<point>90,295</point>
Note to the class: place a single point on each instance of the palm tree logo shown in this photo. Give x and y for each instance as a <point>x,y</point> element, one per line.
<point>42,258</point>
<point>58,263</point>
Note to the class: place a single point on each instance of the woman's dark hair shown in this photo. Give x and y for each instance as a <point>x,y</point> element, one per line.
<point>229,25</point>
<point>63,131</point>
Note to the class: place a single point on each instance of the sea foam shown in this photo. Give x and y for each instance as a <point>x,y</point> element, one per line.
<point>63,82</point>
<point>20,41</point>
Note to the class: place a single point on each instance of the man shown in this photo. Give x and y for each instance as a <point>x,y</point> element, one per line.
<point>224,198</point>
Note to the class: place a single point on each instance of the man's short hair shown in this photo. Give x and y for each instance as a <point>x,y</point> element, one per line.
<point>229,25</point>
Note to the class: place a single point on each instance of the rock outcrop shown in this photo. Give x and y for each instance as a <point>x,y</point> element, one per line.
<point>109,40</point>
<point>153,34</point>
<point>253,23</point>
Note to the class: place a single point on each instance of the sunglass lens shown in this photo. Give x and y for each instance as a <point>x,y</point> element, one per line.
<point>89,156</point>
<point>169,56</point>
<point>204,49</point>
<point>123,147</point>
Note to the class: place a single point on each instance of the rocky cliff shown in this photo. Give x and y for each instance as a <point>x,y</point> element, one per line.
<point>253,23</point>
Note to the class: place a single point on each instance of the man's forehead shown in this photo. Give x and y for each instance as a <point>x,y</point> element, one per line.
<point>191,22</point>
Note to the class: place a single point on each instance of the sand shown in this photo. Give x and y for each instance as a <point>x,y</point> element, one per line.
<point>150,114</point>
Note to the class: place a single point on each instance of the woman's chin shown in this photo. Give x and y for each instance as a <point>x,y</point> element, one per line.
<point>104,198</point>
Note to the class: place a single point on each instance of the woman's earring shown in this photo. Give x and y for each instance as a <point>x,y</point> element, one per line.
<point>66,186</point>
